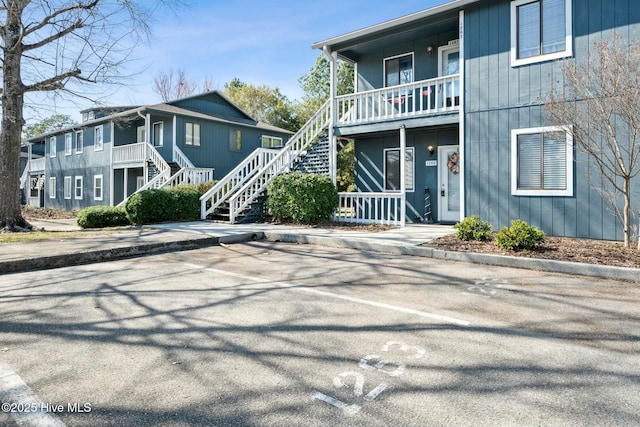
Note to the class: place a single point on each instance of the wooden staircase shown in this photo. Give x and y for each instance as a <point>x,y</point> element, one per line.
<point>237,197</point>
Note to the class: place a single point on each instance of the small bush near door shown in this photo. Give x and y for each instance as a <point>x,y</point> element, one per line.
<point>102,216</point>
<point>302,198</point>
<point>472,228</point>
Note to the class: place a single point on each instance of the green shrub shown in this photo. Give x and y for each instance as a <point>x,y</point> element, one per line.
<point>172,204</point>
<point>472,228</point>
<point>519,236</point>
<point>302,198</point>
<point>200,188</point>
<point>102,216</point>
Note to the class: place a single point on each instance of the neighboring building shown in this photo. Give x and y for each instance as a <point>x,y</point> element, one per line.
<point>116,151</point>
<point>452,96</point>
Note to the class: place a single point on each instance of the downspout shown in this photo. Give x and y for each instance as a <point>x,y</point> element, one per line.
<point>333,149</point>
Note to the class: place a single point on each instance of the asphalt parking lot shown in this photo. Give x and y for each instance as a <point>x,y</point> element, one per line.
<point>266,333</point>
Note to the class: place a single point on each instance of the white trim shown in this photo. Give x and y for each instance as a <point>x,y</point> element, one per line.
<point>568,192</point>
<point>52,187</point>
<point>273,139</point>
<point>443,170</point>
<point>96,146</point>
<point>409,188</point>
<point>461,123</point>
<point>384,68</point>
<point>95,187</point>
<point>75,187</point>
<point>193,134</point>
<point>68,144</point>
<point>67,187</point>
<point>567,52</point>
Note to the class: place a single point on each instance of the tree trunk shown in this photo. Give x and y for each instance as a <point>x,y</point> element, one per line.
<point>627,212</point>
<point>11,126</point>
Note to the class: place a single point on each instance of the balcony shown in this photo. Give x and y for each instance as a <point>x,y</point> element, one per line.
<point>419,99</point>
<point>130,155</point>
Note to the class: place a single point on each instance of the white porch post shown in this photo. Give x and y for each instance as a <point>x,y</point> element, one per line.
<point>333,149</point>
<point>403,184</point>
<point>126,182</point>
<point>461,124</point>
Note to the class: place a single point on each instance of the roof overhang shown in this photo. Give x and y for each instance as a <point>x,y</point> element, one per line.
<point>389,26</point>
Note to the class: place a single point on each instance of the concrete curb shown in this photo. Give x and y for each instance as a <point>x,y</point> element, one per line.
<point>118,252</point>
<point>600,271</point>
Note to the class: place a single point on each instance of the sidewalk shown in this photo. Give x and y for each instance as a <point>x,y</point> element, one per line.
<point>158,238</point>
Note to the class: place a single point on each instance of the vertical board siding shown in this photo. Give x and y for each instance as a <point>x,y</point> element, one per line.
<point>501,98</point>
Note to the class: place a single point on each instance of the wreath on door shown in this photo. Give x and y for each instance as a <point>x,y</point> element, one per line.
<point>453,163</point>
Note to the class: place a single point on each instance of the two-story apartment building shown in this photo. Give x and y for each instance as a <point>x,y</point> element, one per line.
<point>116,151</point>
<point>460,90</point>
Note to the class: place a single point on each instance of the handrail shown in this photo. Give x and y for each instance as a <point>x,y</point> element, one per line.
<point>180,158</point>
<point>280,162</point>
<point>234,180</point>
<point>156,182</point>
<point>190,176</point>
<point>157,159</point>
<point>368,208</point>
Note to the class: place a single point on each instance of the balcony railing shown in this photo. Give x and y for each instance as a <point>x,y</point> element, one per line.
<point>369,208</point>
<point>423,98</point>
<point>130,153</point>
<point>36,165</point>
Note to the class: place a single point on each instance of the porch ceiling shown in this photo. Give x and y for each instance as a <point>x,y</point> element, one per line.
<point>353,50</point>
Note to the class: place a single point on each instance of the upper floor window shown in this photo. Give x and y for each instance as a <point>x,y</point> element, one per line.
<point>235,140</point>
<point>68,144</point>
<point>542,162</point>
<point>79,141</point>
<point>271,141</point>
<point>192,134</point>
<point>540,30</point>
<point>52,147</point>
<point>158,134</point>
<point>398,70</point>
<point>141,134</point>
<point>98,141</point>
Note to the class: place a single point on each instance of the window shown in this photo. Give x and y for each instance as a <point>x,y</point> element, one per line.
<point>540,30</point>
<point>52,146</point>
<point>158,134</point>
<point>192,134</point>
<point>141,133</point>
<point>97,187</point>
<point>68,144</point>
<point>79,141</point>
<point>235,140</point>
<point>271,141</point>
<point>542,162</point>
<point>392,169</point>
<point>398,70</point>
<point>78,188</point>
<point>52,187</point>
<point>67,187</point>
<point>98,142</point>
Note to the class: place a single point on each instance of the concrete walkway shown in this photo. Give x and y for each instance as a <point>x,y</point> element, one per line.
<point>125,242</point>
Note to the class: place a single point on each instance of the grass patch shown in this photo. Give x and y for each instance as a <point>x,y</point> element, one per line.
<point>33,236</point>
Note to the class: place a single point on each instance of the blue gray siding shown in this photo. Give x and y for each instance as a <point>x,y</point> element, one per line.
<point>500,98</point>
<point>369,166</point>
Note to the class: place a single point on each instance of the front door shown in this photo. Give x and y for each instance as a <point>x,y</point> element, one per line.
<point>448,183</point>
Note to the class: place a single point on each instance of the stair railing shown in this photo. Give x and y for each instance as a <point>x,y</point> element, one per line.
<point>164,171</point>
<point>190,176</point>
<point>234,180</point>
<point>180,158</point>
<point>281,162</point>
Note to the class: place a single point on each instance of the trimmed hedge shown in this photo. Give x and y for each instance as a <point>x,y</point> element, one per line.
<point>473,228</point>
<point>302,198</point>
<point>519,236</point>
<point>171,204</point>
<point>102,216</point>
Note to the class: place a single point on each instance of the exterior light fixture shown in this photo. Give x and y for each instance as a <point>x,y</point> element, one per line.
<point>430,50</point>
<point>431,149</point>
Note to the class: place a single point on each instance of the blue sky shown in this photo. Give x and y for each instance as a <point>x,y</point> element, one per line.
<point>259,41</point>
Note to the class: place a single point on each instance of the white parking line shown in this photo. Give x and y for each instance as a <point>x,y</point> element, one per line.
<point>405,310</point>
<point>23,405</point>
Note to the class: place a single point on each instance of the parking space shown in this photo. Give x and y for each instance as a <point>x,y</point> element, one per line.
<point>280,334</point>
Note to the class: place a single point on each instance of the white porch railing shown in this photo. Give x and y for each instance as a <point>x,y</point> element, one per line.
<point>423,98</point>
<point>36,165</point>
<point>368,208</point>
<point>130,153</point>
<point>138,154</point>
<point>180,158</point>
<point>234,180</point>
<point>190,176</point>
<point>281,162</point>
